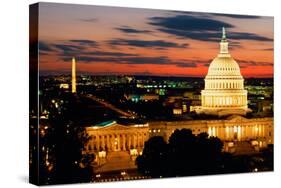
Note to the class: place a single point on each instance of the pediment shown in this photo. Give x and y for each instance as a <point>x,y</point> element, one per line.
<point>110,126</point>
<point>115,126</point>
<point>236,118</point>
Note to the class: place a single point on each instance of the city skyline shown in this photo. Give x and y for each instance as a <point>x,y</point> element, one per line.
<point>151,42</point>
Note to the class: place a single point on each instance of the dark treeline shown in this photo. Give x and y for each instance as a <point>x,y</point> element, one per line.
<point>186,154</point>
<point>64,140</point>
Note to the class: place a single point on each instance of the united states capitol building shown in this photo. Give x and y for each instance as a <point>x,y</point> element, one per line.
<point>224,96</point>
<point>224,91</point>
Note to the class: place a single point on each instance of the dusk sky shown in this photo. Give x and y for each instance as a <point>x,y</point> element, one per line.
<point>112,40</point>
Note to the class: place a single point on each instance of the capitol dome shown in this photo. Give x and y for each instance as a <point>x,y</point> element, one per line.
<point>224,92</point>
<point>224,66</point>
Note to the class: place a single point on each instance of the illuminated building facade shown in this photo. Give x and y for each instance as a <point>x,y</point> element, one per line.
<point>224,91</point>
<point>234,128</point>
<point>111,136</point>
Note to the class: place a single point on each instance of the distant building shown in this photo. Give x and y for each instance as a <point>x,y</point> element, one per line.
<point>64,86</point>
<point>144,97</point>
<point>177,111</point>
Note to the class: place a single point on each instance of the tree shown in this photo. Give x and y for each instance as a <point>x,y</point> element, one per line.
<point>154,157</point>
<point>71,165</point>
<point>182,144</point>
<point>67,140</point>
<point>185,154</point>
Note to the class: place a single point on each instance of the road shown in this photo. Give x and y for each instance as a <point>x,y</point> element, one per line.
<point>110,106</point>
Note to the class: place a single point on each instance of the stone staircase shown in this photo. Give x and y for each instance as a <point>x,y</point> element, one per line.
<point>117,160</point>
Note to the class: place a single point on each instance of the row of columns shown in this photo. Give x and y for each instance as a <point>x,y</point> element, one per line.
<point>224,85</point>
<point>238,132</point>
<point>224,101</point>
<point>117,142</point>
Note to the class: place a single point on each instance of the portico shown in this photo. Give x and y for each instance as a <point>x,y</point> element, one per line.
<point>115,137</point>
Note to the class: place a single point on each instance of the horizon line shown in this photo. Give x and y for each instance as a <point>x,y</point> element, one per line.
<point>153,75</point>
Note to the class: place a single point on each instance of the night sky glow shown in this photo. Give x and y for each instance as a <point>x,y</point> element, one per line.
<point>113,40</point>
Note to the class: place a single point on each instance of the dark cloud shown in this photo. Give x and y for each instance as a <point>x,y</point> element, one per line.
<point>162,60</point>
<point>237,16</point>
<point>43,46</point>
<point>89,19</point>
<point>185,64</point>
<point>248,36</point>
<point>79,47</point>
<point>85,42</point>
<point>68,49</point>
<point>234,45</point>
<point>90,59</point>
<point>187,26</point>
<point>200,28</point>
<point>137,60</point>
<point>268,49</point>
<point>196,35</point>
<point>126,29</point>
<point>147,43</point>
<point>106,53</point>
<point>244,63</point>
<point>211,15</point>
<point>123,60</point>
<point>188,23</point>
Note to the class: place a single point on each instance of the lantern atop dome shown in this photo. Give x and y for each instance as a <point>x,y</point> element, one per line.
<point>223,43</point>
<point>223,34</point>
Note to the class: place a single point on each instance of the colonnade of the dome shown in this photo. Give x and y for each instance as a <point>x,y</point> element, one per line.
<point>223,84</point>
